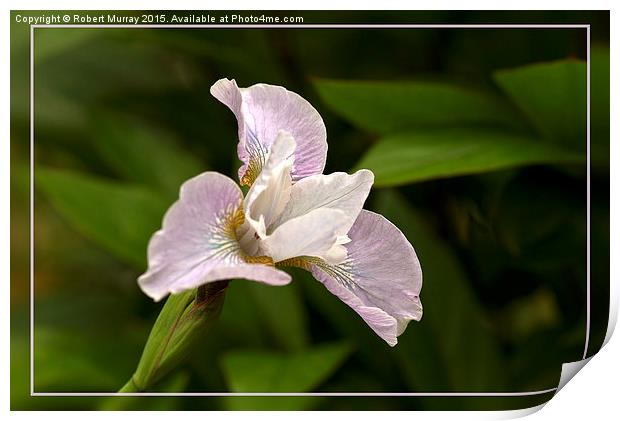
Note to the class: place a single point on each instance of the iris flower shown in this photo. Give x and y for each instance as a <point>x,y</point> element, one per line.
<point>292,215</point>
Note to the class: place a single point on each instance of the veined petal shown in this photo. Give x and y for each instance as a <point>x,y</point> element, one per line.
<point>262,111</point>
<point>381,278</point>
<point>339,190</point>
<point>272,189</point>
<point>312,234</point>
<point>197,243</point>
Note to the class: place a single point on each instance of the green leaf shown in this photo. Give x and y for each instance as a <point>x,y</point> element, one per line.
<point>458,339</point>
<point>119,217</point>
<point>52,42</point>
<point>104,63</point>
<point>553,97</point>
<point>261,371</point>
<point>290,332</point>
<point>239,323</point>
<point>388,107</point>
<point>303,371</point>
<point>347,324</point>
<point>253,317</point>
<point>144,154</point>
<point>412,157</point>
<point>65,362</point>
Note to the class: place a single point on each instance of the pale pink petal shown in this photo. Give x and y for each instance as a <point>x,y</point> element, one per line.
<point>264,110</point>
<point>197,243</point>
<point>381,278</point>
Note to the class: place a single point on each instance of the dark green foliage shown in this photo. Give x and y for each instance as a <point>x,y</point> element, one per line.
<point>477,140</point>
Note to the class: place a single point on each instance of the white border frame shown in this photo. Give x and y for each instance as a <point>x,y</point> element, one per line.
<point>304,26</point>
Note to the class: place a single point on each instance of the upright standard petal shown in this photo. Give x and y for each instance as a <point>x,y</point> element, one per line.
<point>197,243</point>
<point>272,189</point>
<point>381,278</point>
<point>262,111</point>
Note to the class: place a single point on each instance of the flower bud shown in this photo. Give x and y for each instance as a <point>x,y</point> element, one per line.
<point>184,318</point>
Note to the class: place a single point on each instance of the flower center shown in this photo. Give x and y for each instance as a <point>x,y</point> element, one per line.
<point>248,240</point>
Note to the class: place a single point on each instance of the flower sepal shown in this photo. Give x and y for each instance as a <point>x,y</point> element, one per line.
<point>184,318</point>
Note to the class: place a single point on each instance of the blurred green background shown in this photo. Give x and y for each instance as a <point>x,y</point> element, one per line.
<point>478,142</point>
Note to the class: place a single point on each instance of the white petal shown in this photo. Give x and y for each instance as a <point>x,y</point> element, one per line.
<point>272,189</point>
<point>197,243</point>
<point>381,278</point>
<point>312,234</point>
<point>335,255</point>
<point>339,190</point>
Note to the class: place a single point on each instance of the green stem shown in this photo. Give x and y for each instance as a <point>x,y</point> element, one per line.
<point>181,322</point>
<point>130,387</point>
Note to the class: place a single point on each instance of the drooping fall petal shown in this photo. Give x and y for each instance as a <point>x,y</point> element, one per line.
<point>197,243</point>
<point>381,278</point>
<point>262,111</point>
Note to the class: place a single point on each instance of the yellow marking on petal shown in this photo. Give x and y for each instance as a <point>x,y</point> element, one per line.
<point>223,234</point>
<point>303,262</point>
<point>231,221</point>
<point>255,166</point>
<point>265,260</point>
<point>339,272</point>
